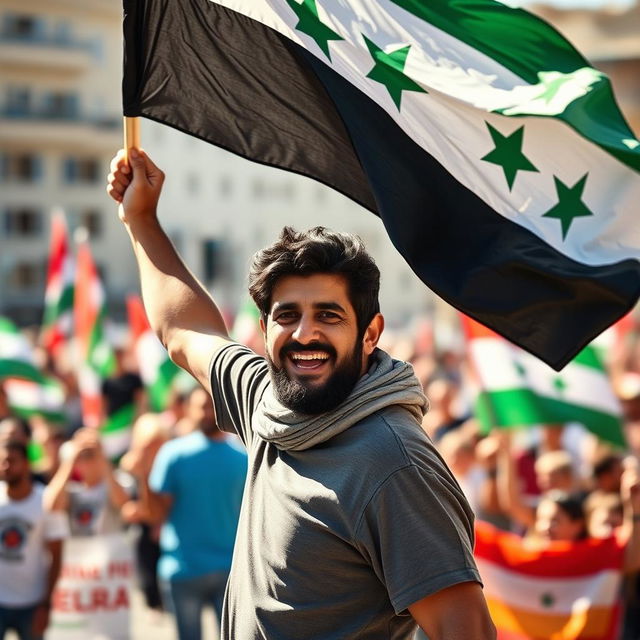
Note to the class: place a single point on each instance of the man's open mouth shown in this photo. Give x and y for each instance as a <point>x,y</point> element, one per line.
<point>308,360</point>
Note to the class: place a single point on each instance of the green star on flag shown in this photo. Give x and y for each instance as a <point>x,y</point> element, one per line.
<point>309,23</point>
<point>508,154</point>
<point>570,204</point>
<point>559,385</point>
<point>547,600</point>
<point>389,71</point>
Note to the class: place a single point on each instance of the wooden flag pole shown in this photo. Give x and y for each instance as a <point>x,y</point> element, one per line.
<point>131,135</point>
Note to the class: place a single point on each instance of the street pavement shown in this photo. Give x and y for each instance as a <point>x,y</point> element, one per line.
<point>150,625</point>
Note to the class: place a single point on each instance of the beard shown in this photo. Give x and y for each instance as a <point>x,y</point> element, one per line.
<point>310,399</point>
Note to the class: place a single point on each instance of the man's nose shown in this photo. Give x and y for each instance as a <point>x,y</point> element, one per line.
<point>306,330</point>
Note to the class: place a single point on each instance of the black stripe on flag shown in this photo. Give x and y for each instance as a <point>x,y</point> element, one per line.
<point>225,78</point>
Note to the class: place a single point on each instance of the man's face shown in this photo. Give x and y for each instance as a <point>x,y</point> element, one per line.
<point>312,343</point>
<point>13,466</point>
<point>201,412</point>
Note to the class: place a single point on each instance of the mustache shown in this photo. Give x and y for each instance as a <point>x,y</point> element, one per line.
<point>314,346</point>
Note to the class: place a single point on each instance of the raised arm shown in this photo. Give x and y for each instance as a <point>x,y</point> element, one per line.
<point>509,491</point>
<point>181,312</point>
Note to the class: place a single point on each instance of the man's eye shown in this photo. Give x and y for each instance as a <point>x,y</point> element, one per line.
<point>329,315</point>
<point>286,316</point>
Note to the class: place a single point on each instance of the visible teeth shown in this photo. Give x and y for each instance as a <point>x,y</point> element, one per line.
<point>310,356</point>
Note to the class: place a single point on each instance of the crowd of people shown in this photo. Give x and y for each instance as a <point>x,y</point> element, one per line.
<point>353,518</point>
<point>552,482</point>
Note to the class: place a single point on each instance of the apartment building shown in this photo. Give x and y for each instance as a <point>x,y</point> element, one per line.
<point>60,122</point>
<point>60,106</point>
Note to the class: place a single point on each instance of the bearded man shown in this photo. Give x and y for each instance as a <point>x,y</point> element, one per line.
<point>351,525</point>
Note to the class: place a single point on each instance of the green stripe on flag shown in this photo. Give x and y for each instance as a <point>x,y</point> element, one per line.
<point>52,415</point>
<point>161,387</point>
<point>20,369</point>
<point>63,304</point>
<point>590,357</point>
<point>100,356</point>
<point>522,407</point>
<point>533,50</point>
<point>119,421</point>
<point>6,326</point>
<point>515,38</point>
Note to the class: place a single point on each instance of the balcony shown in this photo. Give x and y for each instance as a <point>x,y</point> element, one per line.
<point>34,129</point>
<point>60,53</point>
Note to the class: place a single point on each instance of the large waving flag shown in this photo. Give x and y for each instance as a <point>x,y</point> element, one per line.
<point>156,368</point>
<point>562,591</point>
<point>95,355</point>
<point>517,389</point>
<point>29,391</point>
<point>57,324</point>
<point>494,154</point>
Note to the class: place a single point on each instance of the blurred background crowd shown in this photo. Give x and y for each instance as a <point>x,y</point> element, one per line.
<point>546,481</point>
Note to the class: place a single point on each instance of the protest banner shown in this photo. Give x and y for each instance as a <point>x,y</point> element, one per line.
<point>92,598</point>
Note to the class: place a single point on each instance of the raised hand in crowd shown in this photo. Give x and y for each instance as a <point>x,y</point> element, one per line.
<point>83,455</point>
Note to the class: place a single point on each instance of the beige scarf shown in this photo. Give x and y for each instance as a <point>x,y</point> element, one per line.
<point>387,382</point>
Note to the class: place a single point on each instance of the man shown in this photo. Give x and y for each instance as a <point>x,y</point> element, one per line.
<point>93,498</point>
<point>30,547</point>
<point>351,520</point>
<point>195,489</point>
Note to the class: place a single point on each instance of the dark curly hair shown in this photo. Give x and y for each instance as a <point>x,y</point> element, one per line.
<point>318,250</point>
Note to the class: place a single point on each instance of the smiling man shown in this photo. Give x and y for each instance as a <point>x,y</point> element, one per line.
<point>352,527</point>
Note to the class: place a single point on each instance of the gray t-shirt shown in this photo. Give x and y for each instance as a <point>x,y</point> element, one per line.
<point>336,541</point>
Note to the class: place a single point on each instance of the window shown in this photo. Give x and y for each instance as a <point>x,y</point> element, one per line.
<point>23,27</point>
<point>26,275</point>
<point>22,222</point>
<point>89,219</point>
<point>18,101</point>
<point>210,259</point>
<point>62,105</point>
<point>21,167</point>
<point>282,191</point>
<point>82,170</point>
<point>62,33</point>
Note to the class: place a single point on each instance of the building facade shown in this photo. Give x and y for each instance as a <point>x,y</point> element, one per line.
<point>60,63</point>
<point>60,122</point>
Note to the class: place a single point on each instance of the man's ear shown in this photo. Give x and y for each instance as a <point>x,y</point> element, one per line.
<point>263,326</point>
<point>372,335</point>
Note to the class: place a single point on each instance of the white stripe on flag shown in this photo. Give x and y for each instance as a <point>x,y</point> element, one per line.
<point>14,346</point>
<point>562,595</point>
<point>116,443</point>
<point>150,354</point>
<point>31,395</point>
<point>449,122</point>
<point>583,385</point>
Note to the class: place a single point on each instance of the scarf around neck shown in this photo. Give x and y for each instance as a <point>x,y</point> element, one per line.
<point>388,382</point>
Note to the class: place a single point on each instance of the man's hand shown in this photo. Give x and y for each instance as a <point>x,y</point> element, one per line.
<point>136,186</point>
<point>87,440</point>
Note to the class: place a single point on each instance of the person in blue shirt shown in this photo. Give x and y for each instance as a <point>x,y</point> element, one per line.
<point>195,489</point>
